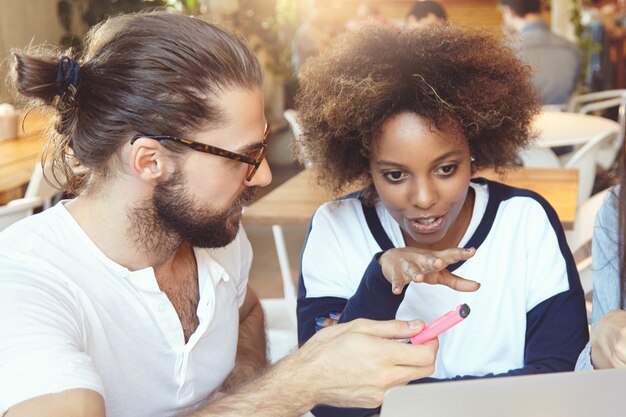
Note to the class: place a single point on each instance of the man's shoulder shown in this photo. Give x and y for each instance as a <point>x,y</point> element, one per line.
<point>542,36</point>
<point>36,231</point>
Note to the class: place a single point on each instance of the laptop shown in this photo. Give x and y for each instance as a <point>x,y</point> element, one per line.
<point>567,394</point>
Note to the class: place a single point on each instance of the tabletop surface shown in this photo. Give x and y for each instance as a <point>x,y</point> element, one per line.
<point>562,128</point>
<point>294,202</point>
<point>18,156</point>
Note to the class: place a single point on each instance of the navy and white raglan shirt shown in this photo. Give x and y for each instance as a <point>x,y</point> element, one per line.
<point>527,317</point>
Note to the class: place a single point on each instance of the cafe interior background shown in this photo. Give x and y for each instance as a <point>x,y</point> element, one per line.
<point>597,27</point>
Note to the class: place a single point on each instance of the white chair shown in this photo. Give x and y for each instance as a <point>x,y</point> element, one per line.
<point>17,210</point>
<point>291,116</point>
<point>585,160</point>
<point>280,325</point>
<point>44,185</point>
<point>581,235</point>
<point>602,100</point>
<point>538,157</point>
<point>280,313</point>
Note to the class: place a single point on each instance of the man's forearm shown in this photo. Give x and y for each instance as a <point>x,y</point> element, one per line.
<point>272,394</point>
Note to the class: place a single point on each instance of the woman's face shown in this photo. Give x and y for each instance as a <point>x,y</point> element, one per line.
<point>422,177</point>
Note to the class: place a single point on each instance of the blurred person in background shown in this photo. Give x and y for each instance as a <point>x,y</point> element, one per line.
<point>321,25</point>
<point>555,61</point>
<point>367,13</point>
<point>425,13</point>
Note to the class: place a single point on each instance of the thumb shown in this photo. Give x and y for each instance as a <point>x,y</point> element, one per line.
<point>390,329</point>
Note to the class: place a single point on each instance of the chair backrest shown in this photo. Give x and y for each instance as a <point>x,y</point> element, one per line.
<point>538,157</point>
<point>585,160</point>
<point>602,100</point>
<point>38,186</point>
<point>581,235</point>
<point>17,210</point>
<point>582,232</point>
<point>291,116</point>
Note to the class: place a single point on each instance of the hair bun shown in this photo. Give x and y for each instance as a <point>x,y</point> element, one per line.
<point>67,74</point>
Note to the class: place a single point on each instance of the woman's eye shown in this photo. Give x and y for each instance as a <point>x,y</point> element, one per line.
<point>446,170</point>
<point>393,176</point>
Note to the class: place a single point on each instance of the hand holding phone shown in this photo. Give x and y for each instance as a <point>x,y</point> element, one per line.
<point>441,324</point>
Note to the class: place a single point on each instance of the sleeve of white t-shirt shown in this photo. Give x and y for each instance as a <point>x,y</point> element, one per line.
<point>547,268</point>
<point>42,349</point>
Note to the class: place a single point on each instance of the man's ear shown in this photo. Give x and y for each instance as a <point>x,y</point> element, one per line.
<point>147,159</point>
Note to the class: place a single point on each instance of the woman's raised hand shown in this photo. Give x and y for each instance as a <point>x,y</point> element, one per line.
<point>401,266</point>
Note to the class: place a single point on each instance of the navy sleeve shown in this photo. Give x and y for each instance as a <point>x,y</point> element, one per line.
<point>373,300</point>
<point>556,333</point>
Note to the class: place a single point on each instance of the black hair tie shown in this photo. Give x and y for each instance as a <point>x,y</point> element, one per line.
<point>67,74</point>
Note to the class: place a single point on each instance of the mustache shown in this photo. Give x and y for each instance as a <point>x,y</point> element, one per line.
<point>246,197</point>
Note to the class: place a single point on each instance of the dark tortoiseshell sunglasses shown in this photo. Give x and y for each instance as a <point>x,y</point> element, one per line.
<point>254,161</point>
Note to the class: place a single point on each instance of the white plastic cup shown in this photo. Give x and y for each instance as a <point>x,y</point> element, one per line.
<point>8,121</point>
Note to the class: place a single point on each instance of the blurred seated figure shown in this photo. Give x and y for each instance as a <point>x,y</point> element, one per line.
<point>316,32</point>
<point>425,13</point>
<point>555,61</point>
<point>367,13</point>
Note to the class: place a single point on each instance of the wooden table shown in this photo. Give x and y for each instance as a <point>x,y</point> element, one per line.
<point>18,156</point>
<point>294,203</point>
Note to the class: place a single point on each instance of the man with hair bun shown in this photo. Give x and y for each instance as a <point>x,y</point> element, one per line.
<point>411,116</point>
<point>132,299</point>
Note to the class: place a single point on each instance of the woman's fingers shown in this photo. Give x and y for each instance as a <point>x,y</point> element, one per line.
<point>404,265</point>
<point>445,277</point>
<point>454,255</point>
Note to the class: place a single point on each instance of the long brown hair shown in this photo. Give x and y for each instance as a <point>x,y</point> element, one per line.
<point>153,73</point>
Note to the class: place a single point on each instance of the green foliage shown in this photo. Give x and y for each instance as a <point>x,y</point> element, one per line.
<point>91,12</point>
<point>268,26</point>
<point>585,42</point>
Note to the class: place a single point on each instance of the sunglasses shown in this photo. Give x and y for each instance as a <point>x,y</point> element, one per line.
<point>254,161</point>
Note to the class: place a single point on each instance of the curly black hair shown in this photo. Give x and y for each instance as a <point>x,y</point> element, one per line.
<point>443,74</point>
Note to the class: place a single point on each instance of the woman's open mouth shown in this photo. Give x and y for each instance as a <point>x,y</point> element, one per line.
<point>427,224</point>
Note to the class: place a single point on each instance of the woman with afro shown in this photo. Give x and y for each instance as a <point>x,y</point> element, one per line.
<point>412,116</point>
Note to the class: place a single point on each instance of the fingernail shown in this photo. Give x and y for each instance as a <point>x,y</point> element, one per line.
<point>468,250</point>
<point>414,324</point>
<point>318,328</point>
<point>332,315</point>
<point>319,320</point>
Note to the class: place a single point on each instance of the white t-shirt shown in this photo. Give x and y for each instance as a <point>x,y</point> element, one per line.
<point>72,318</point>
<point>527,317</point>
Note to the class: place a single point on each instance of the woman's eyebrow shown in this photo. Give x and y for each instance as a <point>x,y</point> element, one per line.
<point>440,158</point>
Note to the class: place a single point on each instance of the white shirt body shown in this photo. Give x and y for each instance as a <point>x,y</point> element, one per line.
<point>70,318</point>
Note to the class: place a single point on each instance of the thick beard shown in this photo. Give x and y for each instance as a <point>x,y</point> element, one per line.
<point>171,217</point>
